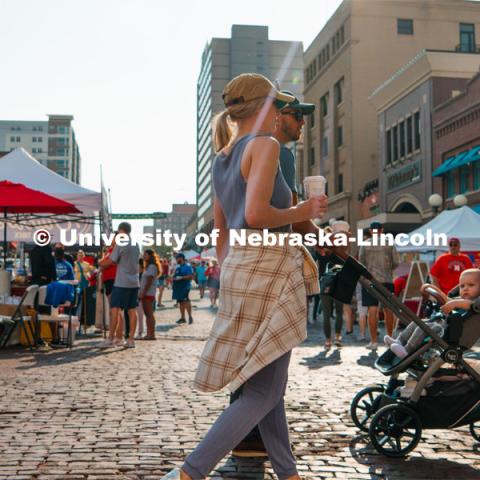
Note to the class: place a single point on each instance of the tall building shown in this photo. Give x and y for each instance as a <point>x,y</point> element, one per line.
<point>248,50</point>
<point>405,104</point>
<point>176,221</point>
<point>363,44</point>
<point>51,142</point>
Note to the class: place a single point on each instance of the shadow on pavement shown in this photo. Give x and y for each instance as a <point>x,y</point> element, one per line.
<point>234,467</point>
<point>410,467</point>
<point>323,359</point>
<point>368,360</point>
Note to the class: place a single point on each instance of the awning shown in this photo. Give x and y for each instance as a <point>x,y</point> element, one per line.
<point>457,161</point>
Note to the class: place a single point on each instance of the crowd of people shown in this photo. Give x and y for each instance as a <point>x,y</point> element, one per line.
<point>134,284</point>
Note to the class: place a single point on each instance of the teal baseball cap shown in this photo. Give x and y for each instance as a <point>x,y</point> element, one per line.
<point>295,104</point>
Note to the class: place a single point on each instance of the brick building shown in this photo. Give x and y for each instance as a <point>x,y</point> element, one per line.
<point>456,146</point>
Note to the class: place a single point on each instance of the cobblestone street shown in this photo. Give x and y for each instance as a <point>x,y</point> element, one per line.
<point>91,414</point>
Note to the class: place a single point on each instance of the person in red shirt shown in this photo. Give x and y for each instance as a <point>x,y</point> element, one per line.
<point>445,272</point>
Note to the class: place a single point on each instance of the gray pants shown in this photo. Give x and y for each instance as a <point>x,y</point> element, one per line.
<point>261,402</point>
<point>412,336</point>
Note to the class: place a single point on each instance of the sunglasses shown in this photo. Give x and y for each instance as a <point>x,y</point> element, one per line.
<point>454,245</point>
<point>297,115</point>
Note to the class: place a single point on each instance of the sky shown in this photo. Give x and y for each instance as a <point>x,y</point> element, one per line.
<point>127,71</point>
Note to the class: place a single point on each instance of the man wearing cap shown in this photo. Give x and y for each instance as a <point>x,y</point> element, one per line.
<point>445,272</point>
<point>289,129</point>
<point>381,261</point>
<point>182,283</point>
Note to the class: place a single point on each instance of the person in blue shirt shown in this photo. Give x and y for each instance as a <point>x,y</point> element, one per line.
<point>182,283</point>
<point>201,277</point>
<point>63,268</point>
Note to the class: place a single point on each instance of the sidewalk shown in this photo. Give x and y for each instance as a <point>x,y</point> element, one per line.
<point>92,414</point>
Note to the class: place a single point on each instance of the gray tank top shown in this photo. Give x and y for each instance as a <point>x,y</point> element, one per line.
<point>230,187</point>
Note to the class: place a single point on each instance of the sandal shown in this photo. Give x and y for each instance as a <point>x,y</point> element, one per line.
<point>328,344</point>
<point>338,342</point>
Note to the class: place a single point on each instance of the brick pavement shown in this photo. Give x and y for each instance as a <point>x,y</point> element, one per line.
<point>90,414</point>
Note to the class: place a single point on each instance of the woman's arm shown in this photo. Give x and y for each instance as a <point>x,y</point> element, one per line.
<point>221,224</point>
<point>259,168</point>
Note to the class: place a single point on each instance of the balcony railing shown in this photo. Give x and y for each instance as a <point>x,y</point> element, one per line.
<point>465,48</point>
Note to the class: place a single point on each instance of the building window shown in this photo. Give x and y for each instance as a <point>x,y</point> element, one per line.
<point>312,120</point>
<point>404,26</point>
<point>339,136</point>
<point>340,183</point>
<point>338,90</point>
<point>40,139</point>
<point>467,37</point>
<point>12,139</point>
<point>450,185</point>
<point>324,105</point>
<point>464,178</point>
<point>39,150</point>
<point>34,150</point>
<point>388,135</point>
<point>40,129</point>
<point>409,136</point>
<point>18,139</point>
<point>402,138</point>
<point>34,139</point>
<point>395,143</point>
<point>312,156</point>
<point>416,127</point>
<point>342,35</point>
<point>325,147</point>
<point>476,175</point>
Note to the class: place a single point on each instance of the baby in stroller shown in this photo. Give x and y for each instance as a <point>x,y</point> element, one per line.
<point>412,336</point>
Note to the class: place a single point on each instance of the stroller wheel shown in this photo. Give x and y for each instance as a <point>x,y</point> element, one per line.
<point>364,406</point>
<point>395,430</point>
<point>475,430</point>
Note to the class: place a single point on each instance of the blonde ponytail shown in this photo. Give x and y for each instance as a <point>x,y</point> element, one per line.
<point>222,130</point>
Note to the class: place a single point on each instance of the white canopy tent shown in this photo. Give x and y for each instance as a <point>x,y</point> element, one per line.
<point>20,167</point>
<point>462,223</point>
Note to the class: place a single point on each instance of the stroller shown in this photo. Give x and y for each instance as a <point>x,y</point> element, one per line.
<point>431,396</point>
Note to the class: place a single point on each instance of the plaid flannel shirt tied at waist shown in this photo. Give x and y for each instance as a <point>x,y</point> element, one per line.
<point>262,312</point>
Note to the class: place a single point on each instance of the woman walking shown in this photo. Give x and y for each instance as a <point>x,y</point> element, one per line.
<point>148,285</point>
<point>262,313</point>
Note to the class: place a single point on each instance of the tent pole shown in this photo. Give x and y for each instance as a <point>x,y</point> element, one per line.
<point>5,238</point>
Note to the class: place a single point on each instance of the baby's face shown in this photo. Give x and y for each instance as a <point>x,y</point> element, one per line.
<point>469,286</point>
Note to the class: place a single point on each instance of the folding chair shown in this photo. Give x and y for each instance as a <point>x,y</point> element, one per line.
<point>59,319</point>
<point>10,323</point>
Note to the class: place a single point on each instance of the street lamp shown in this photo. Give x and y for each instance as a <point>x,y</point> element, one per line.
<point>435,201</point>
<point>460,200</point>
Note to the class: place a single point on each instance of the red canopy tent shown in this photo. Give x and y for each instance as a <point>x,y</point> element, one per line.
<point>16,198</point>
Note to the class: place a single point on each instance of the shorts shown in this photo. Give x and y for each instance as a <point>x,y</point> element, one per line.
<point>202,283</point>
<point>213,283</point>
<point>369,301</point>
<point>183,297</point>
<point>108,286</point>
<point>160,281</point>
<point>124,298</point>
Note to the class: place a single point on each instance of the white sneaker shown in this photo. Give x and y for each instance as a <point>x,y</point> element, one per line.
<point>173,475</point>
<point>388,340</point>
<point>130,343</point>
<point>372,346</point>
<point>399,350</point>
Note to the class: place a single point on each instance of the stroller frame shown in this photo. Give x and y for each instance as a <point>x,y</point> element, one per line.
<point>448,355</point>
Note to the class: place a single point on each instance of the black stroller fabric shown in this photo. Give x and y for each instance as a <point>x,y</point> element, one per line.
<point>447,402</point>
<point>341,285</point>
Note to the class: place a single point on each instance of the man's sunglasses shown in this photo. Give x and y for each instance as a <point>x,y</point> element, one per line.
<point>296,114</point>
<point>454,245</point>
